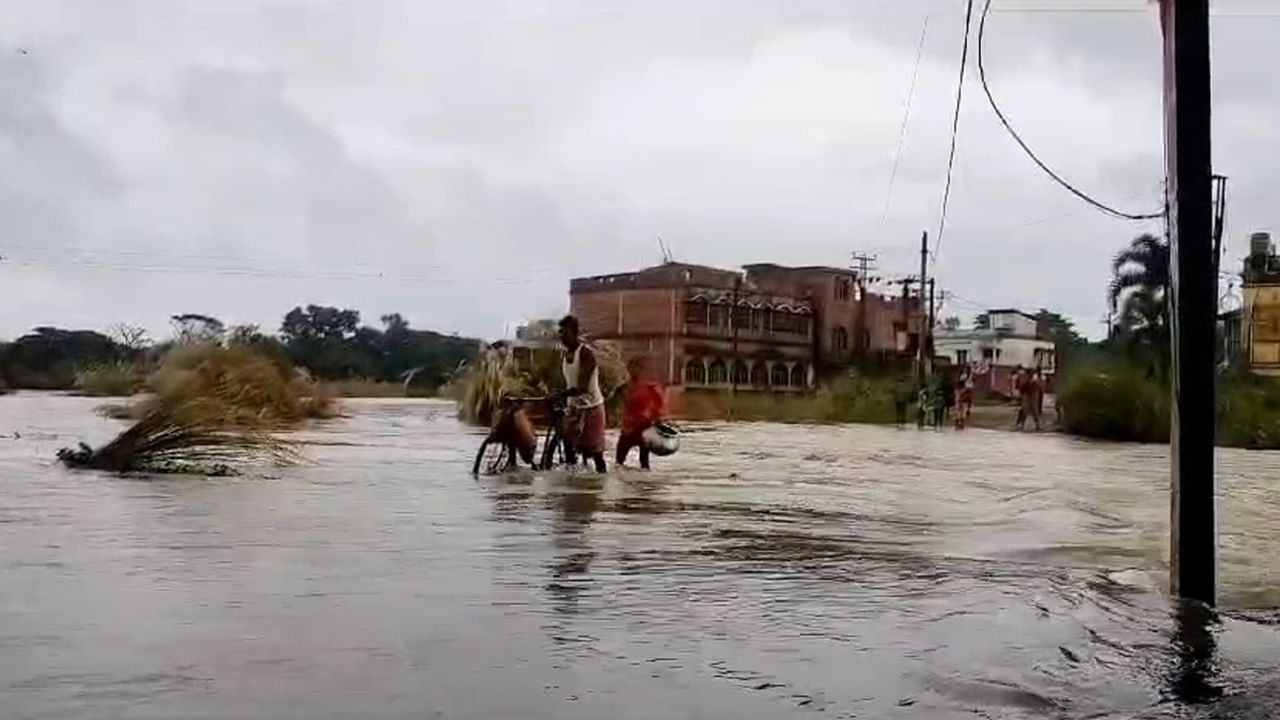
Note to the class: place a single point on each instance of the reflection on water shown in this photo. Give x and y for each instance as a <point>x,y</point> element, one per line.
<point>763,572</point>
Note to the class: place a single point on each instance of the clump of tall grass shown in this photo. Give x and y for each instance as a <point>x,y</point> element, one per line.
<point>111,379</point>
<point>1114,401</point>
<point>182,435</point>
<point>209,403</point>
<point>852,398</point>
<point>1249,411</point>
<point>250,385</point>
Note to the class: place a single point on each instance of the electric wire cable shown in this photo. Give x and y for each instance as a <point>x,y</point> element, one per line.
<point>902,131</point>
<point>982,77</point>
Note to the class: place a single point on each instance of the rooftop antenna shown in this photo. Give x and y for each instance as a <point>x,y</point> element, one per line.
<point>667,258</point>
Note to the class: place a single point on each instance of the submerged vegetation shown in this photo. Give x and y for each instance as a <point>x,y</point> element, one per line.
<point>1120,400</point>
<point>191,435</point>
<point>209,402</point>
<point>851,398</point>
<point>1114,401</point>
<point>118,378</point>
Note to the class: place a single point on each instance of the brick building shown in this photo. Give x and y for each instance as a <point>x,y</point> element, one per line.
<point>769,328</point>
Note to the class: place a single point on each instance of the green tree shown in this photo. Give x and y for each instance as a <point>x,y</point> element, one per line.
<point>47,358</point>
<point>1053,326</point>
<point>195,328</point>
<point>1138,297</point>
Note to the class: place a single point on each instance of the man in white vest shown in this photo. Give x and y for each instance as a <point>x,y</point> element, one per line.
<point>584,406</point>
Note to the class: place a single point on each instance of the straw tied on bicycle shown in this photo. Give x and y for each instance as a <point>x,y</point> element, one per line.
<point>576,418</point>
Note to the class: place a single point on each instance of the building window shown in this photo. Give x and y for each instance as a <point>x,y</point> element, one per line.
<point>742,317</point>
<point>695,373</point>
<point>779,377</point>
<point>719,316</point>
<point>844,289</point>
<point>695,313</point>
<point>797,376</point>
<point>740,374</point>
<point>962,357</point>
<point>758,320</point>
<point>997,353</point>
<point>988,353</point>
<point>759,375</point>
<point>717,373</point>
<point>839,338</point>
<point>781,322</point>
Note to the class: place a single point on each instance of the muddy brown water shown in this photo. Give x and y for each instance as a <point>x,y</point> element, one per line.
<point>765,571</point>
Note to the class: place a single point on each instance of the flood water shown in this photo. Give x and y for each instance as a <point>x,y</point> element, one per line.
<point>765,571</point>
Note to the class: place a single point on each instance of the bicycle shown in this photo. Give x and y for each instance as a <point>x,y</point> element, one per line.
<point>498,451</point>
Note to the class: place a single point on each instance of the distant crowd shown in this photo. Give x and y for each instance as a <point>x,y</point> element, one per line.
<point>947,398</point>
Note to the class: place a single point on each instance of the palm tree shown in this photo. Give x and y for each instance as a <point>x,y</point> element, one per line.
<point>1139,290</point>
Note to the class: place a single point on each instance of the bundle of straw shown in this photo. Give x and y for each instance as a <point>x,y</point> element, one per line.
<point>192,433</point>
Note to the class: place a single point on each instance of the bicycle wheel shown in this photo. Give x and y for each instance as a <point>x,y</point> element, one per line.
<point>552,452</point>
<point>492,457</point>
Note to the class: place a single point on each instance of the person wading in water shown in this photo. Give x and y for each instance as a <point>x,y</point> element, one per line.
<point>584,406</point>
<point>643,409</point>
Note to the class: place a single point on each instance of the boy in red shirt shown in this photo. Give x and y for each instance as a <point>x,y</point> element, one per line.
<point>643,409</point>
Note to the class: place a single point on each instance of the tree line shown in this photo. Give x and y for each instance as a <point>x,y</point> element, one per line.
<point>329,343</point>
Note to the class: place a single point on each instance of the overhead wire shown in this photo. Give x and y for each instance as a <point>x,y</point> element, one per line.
<point>906,116</point>
<point>246,271</point>
<point>955,126</point>
<point>982,77</point>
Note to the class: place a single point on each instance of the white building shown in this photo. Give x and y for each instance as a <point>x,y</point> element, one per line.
<point>995,352</point>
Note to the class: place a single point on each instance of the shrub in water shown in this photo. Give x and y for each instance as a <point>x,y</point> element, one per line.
<point>111,379</point>
<point>1114,402</point>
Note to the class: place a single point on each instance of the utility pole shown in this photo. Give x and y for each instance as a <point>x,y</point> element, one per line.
<point>932,322</point>
<point>1193,290</point>
<point>924,269</point>
<point>865,262</point>
<point>733,327</point>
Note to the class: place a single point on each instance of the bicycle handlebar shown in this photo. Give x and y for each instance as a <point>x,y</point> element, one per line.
<point>516,399</point>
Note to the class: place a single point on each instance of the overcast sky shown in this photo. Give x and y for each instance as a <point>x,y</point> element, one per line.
<point>458,161</point>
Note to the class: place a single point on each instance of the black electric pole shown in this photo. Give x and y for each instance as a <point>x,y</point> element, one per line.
<point>1193,284</point>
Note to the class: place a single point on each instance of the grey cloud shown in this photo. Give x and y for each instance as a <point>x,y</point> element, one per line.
<point>475,155</point>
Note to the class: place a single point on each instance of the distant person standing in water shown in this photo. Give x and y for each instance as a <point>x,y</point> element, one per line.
<point>584,407</point>
<point>964,400</point>
<point>901,399</point>
<point>1033,397</point>
<point>642,410</point>
<point>1019,382</point>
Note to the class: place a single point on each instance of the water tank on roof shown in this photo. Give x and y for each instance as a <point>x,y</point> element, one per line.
<point>1260,243</point>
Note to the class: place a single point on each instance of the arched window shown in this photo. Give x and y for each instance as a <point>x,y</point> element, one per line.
<point>759,374</point>
<point>839,338</point>
<point>798,376</point>
<point>779,377</point>
<point>695,373</point>
<point>717,373</point>
<point>719,316</point>
<point>740,374</point>
<point>695,312</point>
<point>843,288</point>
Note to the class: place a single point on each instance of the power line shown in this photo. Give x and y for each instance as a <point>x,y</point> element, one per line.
<point>247,272</point>
<point>955,127</point>
<point>906,115</point>
<point>982,75</point>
